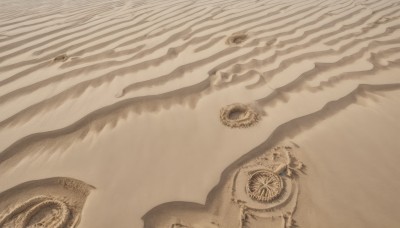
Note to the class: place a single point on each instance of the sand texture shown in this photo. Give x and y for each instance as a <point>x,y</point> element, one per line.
<point>200,113</point>
<point>53,202</point>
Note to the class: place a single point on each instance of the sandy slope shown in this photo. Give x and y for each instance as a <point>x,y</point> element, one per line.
<point>125,96</point>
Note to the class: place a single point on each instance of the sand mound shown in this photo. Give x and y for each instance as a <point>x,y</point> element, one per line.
<point>239,115</point>
<point>50,203</point>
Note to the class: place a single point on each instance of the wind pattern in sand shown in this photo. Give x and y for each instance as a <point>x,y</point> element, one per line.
<point>125,53</point>
<point>115,58</point>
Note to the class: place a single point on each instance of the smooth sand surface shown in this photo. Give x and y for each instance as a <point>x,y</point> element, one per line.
<point>116,112</point>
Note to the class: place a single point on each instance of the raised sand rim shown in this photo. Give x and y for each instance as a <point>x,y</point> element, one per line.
<point>238,115</point>
<point>40,211</point>
<point>51,203</point>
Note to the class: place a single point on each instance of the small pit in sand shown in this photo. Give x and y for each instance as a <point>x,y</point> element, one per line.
<point>236,39</point>
<point>60,58</point>
<point>238,115</point>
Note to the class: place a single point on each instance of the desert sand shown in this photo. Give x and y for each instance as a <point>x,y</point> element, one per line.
<point>200,114</point>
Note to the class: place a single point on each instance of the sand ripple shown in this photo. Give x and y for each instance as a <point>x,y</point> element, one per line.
<point>70,70</point>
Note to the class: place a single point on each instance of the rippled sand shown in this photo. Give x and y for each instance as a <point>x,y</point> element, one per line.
<point>122,101</point>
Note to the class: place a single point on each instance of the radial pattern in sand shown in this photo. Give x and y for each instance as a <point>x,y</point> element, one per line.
<point>264,186</point>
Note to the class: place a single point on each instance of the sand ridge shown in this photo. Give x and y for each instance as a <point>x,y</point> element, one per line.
<point>109,86</point>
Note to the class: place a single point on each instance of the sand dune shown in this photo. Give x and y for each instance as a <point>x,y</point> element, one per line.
<point>134,97</point>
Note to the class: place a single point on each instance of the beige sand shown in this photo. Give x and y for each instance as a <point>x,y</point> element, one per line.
<point>52,202</point>
<point>125,98</point>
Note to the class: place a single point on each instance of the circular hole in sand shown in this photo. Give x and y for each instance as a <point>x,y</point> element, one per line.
<point>238,115</point>
<point>264,186</point>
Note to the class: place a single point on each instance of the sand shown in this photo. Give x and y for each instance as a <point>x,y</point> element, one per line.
<point>201,114</point>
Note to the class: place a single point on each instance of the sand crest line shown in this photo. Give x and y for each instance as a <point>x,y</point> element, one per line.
<point>76,73</point>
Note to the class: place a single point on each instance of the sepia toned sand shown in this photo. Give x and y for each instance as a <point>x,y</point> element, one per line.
<point>201,114</point>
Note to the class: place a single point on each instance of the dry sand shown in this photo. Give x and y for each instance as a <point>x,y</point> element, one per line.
<point>119,113</point>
